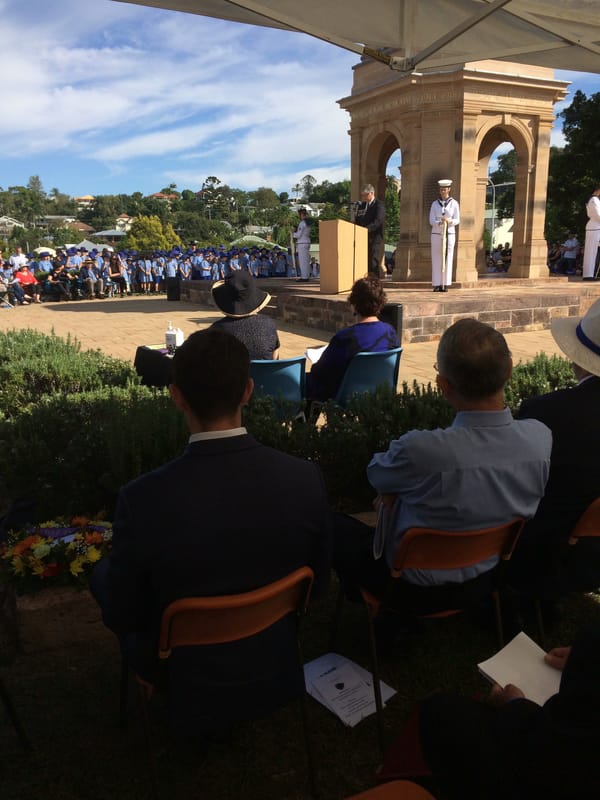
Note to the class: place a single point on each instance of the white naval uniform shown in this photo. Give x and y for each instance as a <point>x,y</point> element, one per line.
<point>302,237</point>
<point>448,210</point>
<point>592,236</point>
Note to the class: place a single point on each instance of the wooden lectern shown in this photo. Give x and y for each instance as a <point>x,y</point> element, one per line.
<point>342,254</point>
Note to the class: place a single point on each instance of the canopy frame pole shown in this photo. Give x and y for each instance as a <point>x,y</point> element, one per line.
<point>408,64</point>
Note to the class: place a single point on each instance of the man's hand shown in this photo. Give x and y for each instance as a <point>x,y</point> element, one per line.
<point>557,657</point>
<point>499,696</point>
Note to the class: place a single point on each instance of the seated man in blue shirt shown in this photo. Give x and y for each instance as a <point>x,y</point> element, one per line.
<point>482,471</point>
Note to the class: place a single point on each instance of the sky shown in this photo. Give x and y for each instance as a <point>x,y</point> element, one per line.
<point>101,97</point>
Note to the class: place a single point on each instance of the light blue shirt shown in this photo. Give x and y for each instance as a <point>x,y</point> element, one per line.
<point>482,471</point>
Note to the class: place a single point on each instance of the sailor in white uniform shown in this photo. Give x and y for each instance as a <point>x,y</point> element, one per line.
<point>444,216</point>
<point>592,236</point>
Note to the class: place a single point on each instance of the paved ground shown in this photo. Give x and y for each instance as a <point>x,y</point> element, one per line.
<point>117,326</point>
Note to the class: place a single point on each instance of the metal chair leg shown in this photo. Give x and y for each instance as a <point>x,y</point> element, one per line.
<point>149,743</point>
<point>12,713</point>
<point>337,616</point>
<point>310,756</point>
<point>376,682</point>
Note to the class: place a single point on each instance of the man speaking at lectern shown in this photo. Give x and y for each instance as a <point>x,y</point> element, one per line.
<point>371,215</point>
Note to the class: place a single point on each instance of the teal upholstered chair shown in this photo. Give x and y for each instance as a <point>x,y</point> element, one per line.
<point>282,379</point>
<point>367,371</point>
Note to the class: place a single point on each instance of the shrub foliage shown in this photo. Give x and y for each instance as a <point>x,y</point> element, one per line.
<point>75,426</point>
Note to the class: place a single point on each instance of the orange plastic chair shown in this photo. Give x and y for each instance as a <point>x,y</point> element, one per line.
<point>429,548</point>
<point>587,527</point>
<point>588,523</point>
<point>394,790</point>
<point>198,621</point>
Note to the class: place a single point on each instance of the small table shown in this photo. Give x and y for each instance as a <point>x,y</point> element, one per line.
<point>153,364</point>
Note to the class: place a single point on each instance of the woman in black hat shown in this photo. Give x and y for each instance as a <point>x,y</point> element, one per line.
<point>240,300</point>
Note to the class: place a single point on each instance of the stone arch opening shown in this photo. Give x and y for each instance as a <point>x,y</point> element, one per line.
<point>491,135</point>
<point>379,150</point>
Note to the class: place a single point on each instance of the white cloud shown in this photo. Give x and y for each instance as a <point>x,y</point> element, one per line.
<point>105,90</point>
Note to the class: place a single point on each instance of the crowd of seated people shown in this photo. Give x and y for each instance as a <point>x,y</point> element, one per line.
<point>98,273</point>
<point>565,258</point>
<point>499,259</point>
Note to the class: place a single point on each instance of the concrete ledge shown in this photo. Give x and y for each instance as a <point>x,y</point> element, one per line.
<point>509,305</point>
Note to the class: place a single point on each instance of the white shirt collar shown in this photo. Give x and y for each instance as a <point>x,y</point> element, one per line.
<point>205,435</point>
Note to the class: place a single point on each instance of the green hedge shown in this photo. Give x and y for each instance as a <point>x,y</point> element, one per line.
<point>75,426</point>
<point>71,453</point>
<point>33,365</point>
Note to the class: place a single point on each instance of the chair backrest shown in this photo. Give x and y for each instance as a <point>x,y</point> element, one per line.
<point>429,548</point>
<point>395,790</point>
<point>282,379</point>
<point>227,618</point>
<point>367,371</point>
<point>588,523</point>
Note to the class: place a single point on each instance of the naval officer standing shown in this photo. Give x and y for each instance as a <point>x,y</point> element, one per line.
<point>444,216</point>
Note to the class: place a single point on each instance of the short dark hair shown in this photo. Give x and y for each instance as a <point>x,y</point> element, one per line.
<point>211,369</point>
<point>475,359</point>
<point>367,296</point>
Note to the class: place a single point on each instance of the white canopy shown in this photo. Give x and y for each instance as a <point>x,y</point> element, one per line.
<point>430,34</point>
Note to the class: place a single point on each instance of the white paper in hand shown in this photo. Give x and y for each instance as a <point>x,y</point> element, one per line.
<point>522,663</point>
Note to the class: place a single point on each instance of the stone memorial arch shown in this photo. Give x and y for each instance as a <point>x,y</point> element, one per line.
<point>447,125</point>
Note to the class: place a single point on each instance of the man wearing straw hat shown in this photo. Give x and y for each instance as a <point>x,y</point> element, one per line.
<point>572,416</point>
<point>444,216</point>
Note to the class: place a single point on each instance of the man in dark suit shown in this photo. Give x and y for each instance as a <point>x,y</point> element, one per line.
<point>228,516</point>
<point>371,215</point>
<point>572,416</point>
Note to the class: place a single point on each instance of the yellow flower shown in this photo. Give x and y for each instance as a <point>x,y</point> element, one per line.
<point>76,566</point>
<point>93,554</point>
<point>18,565</point>
<point>37,567</point>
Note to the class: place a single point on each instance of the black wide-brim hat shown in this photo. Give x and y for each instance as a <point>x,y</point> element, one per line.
<point>239,296</point>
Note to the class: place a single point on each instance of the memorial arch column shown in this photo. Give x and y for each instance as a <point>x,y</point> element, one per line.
<point>468,194</point>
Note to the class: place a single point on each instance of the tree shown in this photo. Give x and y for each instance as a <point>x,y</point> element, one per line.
<point>392,210</point>
<point>34,184</point>
<point>149,233</point>
<point>573,170</point>
<point>192,226</point>
<point>263,197</point>
<point>307,183</point>
<point>505,195</point>
<point>337,194</point>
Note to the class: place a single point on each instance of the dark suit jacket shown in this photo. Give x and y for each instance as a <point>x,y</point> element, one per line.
<point>574,419</point>
<point>373,219</point>
<point>228,516</point>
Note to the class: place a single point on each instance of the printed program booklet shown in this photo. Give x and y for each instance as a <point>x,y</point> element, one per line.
<point>342,686</point>
<point>521,662</point>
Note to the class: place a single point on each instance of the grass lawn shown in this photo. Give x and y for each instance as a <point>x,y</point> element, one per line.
<point>65,685</point>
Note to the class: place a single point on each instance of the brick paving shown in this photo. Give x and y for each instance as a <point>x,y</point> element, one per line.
<point>118,325</point>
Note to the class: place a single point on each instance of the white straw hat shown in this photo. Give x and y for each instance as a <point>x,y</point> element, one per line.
<point>579,338</point>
